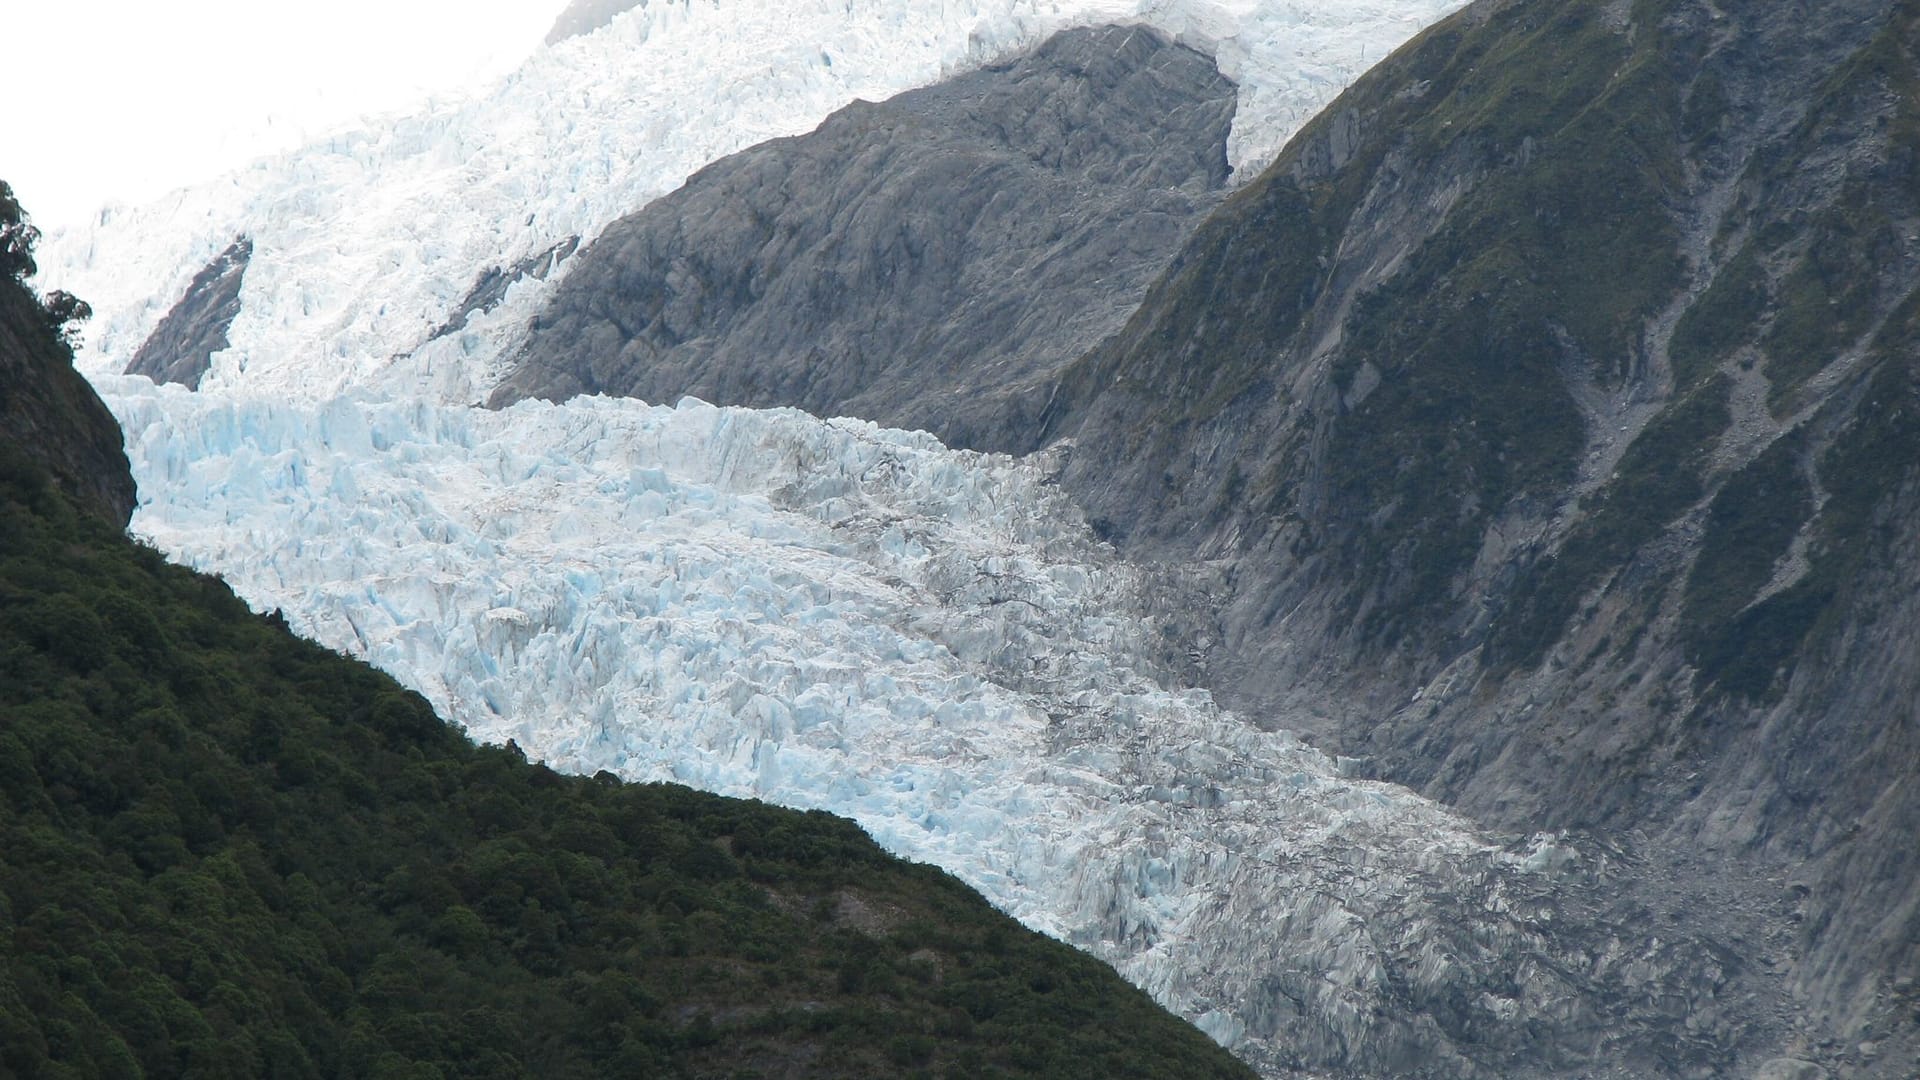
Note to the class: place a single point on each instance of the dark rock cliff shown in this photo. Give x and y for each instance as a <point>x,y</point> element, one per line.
<point>181,348</point>
<point>51,417</point>
<point>1554,401</point>
<point>932,261</point>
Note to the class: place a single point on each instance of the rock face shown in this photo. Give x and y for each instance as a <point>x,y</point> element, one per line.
<point>50,416</point>
<point>1555,402</point>
<point>181,348</point>
<point>931,261</point>
<point>490,288</point>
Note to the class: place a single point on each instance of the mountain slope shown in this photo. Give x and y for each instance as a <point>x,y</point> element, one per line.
<point>227,851</point>
<point>927,262</point>
<point>1552,401</point>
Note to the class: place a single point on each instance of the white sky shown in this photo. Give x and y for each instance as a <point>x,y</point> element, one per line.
<point>130,99</point>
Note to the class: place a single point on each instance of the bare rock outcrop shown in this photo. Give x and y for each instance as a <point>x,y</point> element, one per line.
<point>931,261</point>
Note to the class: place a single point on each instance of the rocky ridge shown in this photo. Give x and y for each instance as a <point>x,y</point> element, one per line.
<point>931,261</point>
<point>181,348</point>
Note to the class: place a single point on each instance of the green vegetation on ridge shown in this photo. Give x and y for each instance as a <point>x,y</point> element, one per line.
<point>1659,478</point>
<point>1552,264</point>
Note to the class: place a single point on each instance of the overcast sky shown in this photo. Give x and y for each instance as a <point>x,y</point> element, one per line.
<point>128,99</point>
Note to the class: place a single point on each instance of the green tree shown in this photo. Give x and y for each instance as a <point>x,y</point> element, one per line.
<point>64,313</point>
<point>17,236</point>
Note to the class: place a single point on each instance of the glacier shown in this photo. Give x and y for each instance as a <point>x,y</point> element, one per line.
<point>831,615</point>
<point>364,241</point>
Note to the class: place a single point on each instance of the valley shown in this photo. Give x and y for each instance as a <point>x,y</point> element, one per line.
<point>1407,557</point>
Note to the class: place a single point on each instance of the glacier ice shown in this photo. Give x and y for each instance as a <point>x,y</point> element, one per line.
<point>365,241</point>
<point>826,614</point>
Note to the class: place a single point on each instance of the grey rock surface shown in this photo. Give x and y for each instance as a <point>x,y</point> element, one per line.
<point>931,261</point>
<point>491,286</point>
<point>181,348</point>
<point>1790,1069</point>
